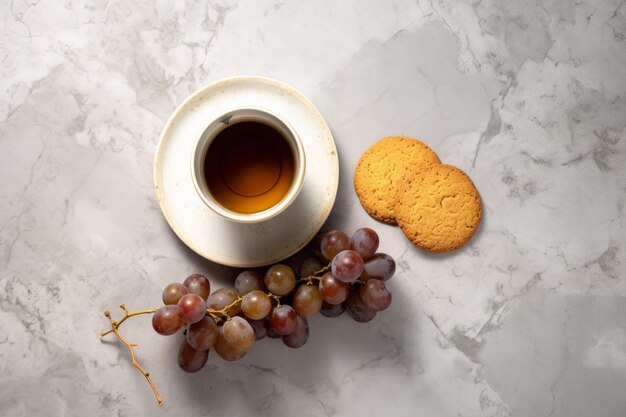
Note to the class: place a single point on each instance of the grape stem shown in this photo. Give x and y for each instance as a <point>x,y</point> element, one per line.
<point>131,346</point>
<point>316,275</point>
<point>220,315</point>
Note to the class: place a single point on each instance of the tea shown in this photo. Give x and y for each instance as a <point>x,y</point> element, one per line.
<point>249,167</point>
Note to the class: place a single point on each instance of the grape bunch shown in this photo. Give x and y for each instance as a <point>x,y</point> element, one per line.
<point>346,274</point>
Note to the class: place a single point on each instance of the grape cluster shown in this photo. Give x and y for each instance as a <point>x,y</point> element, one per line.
<point>346,274</point>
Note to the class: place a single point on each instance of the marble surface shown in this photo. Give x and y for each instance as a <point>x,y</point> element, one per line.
<point>528,97</point>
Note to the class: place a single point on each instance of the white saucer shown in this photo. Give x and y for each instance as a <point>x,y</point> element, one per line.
<point>209,234</point>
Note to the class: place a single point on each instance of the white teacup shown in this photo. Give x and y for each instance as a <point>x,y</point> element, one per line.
<point>222,123</point>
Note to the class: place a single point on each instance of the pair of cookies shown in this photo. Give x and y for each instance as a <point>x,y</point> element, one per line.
<point>401,180</point>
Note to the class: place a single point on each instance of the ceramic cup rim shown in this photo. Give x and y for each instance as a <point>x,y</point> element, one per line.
<point>237,115</point>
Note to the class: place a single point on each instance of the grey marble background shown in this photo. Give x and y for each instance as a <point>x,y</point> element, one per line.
<point>529,97</point>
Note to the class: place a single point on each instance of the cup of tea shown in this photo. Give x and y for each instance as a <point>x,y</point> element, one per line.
<point>248,165</point>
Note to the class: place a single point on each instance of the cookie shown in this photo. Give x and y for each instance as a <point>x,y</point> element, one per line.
<point>438,208</point>
<point>381,170</point>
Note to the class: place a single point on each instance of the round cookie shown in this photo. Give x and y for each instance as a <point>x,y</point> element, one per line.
<point>438,208</point>
<point>381,170</point>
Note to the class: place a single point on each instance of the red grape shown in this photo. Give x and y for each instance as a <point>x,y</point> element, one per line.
<point>173,293</point>
<point>309,267</point>
<point>191,360</point>
<point>375,295</point>
<point>260,327</point>
<point>357,309</point>
<point>333,290</point>
<point>283,319</point>
<point>299,336</point>
<point>379,266</point>
<point>225,350</point>
<point>347,266</point>
<point>280,279</point>
<point>238,333</point>
<point>334,242</point>
<point>202,334</point>
<point>307,300</point>
<point>221,298</point>
<point>256,305</point>
<point>192,308</point>
<point>167,320</point>
<point>247,281</point>
<point>198,284</point>
<point>332,310</point>
<point>364,242</point>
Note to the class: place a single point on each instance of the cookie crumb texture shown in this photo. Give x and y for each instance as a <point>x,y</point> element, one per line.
<point>438,208</point>
<point>382,169</point>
